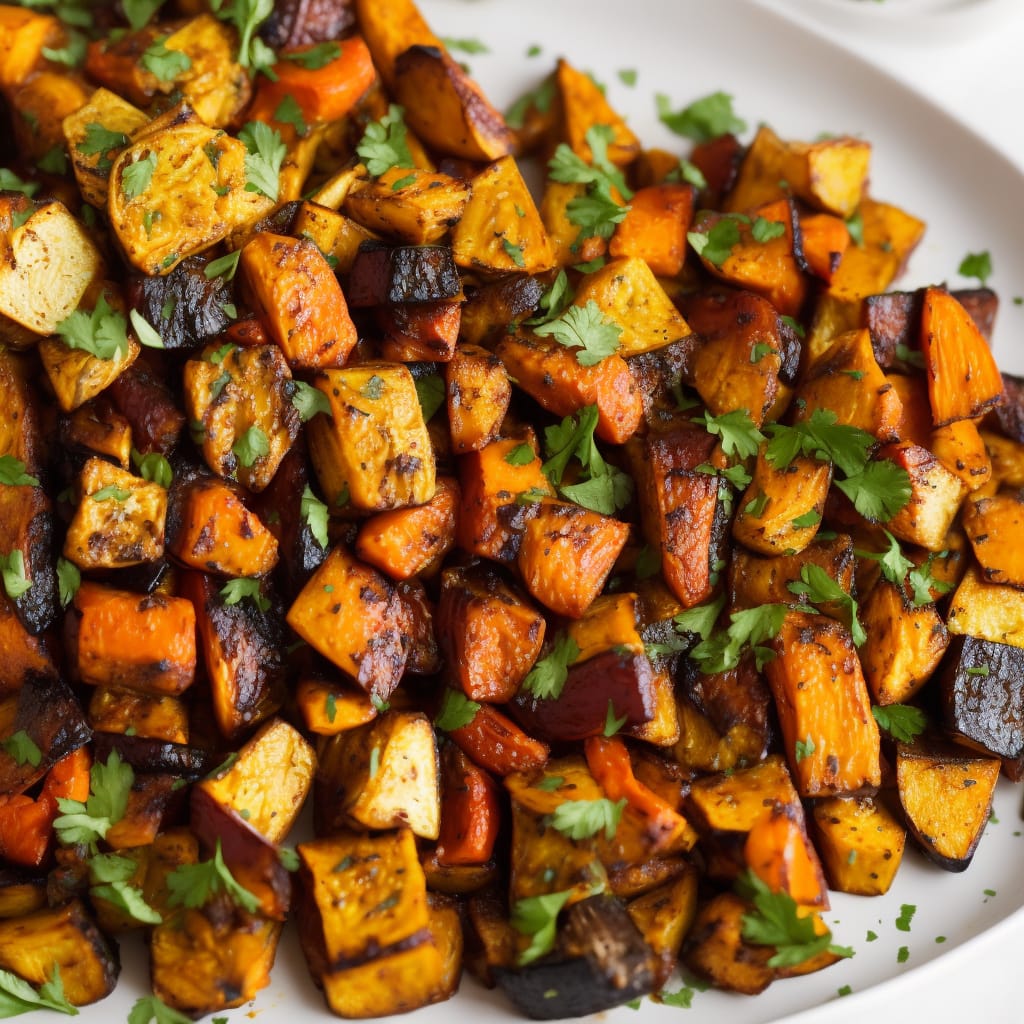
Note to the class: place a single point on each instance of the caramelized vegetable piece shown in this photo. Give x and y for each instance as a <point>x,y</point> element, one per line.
<point>664,916</point>
<point>988,611</point>
<point>830,736</point>
<point>935,496</point>
<point>470,811</point>
<point>113,709</point>
<point>715,948</point>
<point>139,642</point>
<point>580,106</point>
<point>496,743</point>
<point>655,228</point>
<point>446,108</point>
<point>478,393</point>
<point>993,526</point>
<point>490,634</point>
<point>373,451</point>
<point>861,843</point>
<point>566,555</point>
<point>963,379</point>
<point>500,230</point>
<point>946,796</point>
<point>291,286</point>
<point>217,533</point>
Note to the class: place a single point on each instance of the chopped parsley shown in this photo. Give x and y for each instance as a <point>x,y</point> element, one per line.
<point>547,677</point>
<point>384,145</point>
<point>266,153</point>
<point>703,120</point>
<point>457,711</point>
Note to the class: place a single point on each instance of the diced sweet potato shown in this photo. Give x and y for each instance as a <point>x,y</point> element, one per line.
<point>960,448</point>
<point>215,532</point>
<point>290,284</point>
<point>993,526</point>
<point>490,634</point>
<point>655,228</point>
<point>581,106</point>
<point>478,391</point>
<point>23,34</point>
<point>935,496</point>
<point>157,716</point>
<point>779,851</point>
<point>989,611</point>
<point>824,240</point>
<point>551,374</point>
<point>140,642</point>
<point>715,948</point>
<point>419,331</point>
<point>861,843</point>
<point>830,736</point>
<point>567,553</point>
<point>353,615</point>
<point>963,379</point>
<point>470,811</point>
<point>496,743</point>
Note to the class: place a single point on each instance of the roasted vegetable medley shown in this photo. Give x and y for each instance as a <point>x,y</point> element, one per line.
<point>615,567</point>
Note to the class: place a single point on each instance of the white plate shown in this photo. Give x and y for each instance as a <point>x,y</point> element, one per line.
<point>973,199</point>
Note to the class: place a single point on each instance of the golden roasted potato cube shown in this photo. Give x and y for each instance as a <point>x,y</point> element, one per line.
<point>627,293</point>
<point>338,237</point>
<point>177,191</point>
<point>110,112</point>
<point>993,526</point>
<point>781,509</point>
<point>241,400</point>
<point>150,715</point>
<point>214,85</point>
<point>269,779</point>
<point>906,643</point>
<point>829,175</point>
<point>215,958</point>
<point>373,451</point>
<point>354,617</point>
<point>860,842</point>
<point>608,624</point>
<point>78,376</point>
<point>412,206</point>
<point>47,266</point>
<point>500,231</point>
<point>382,775</point>
<point>989,611</point>
<point>960,448</point>
<point>119,520</point>
<point>479,393</point>
<point>935,496</point>
<point>366,893</point>
<point>64,937</point>
<point>98,428</point>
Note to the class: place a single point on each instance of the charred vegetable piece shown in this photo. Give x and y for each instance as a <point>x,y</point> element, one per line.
<point>407,273</point>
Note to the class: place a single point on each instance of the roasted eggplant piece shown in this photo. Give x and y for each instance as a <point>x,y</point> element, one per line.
<point>302,22</point>
<point>384,275</point>
<point>600,960</point>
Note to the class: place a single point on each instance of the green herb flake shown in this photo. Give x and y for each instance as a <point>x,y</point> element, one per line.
<point>457,711</point>
<point>384,145</point>
<point>804,749</point>
<point>628,76</point>
<point>704,119</point>
<point>23,749</point>
<point>265,154</point>
<point>907,912</point>
<point>252,445</point>
<point>137,176</point>
<point>537,917</point>
<point>165,64</point>
<point>547,677</point>
<point>242,587</point>
<point>18,996</point>
<point>315,57</point>
<point>193,885</point>
<point>521,455</point>
<point>902,954</point>
<point>902,722</point>
<point>976,264</point>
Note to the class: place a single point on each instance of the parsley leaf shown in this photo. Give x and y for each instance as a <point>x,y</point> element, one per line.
<point>12,473</point>
<point>764,230</point>
<point>804,748</point>
<point>514,252</point>
<point>111,493</point>
<point>136,177</point>
<point>976,264</point>
<point>701,618</point>
<point>383,144</point>
<point>688,172</point>
<point>471,46</point>
<point>153,467</point>
<point>247,16</point>
<point>740,437</point>
<point>776,921</point>
<point>521,455</point>
<point>816,586</point>
<point>10,182</point>
<point>581,819</point>
<point>902,722</point>
<point>23,749</point>
<point>289,112</point>
<point>584,328</point>
<point>252,445</point>
<point>547,677</point>
<point>102,333</point>
<point>18,996</point>
<point>145,332</point>
<point>71,55</point>
<point>457,710</point>
<point>165,64</point>
<point>110,874</point>
<point>109,786</point>
<point>612,724</point>
<point>537,917</point>
<point>721,650</point>
<point>316,57</point>
<point>266,153</point>
<point>716,243</point>
<point>430,391</point>
<point>236,590</point>
<point>879,491</point>
<point>568,438</point>
<point>153,1010</point>
<point>538,99</point>
<point>314,515</point>
<point>309,401</point>
<point>702,120</point>
<point>69,579</point>
<point>923,583</point>
<point>102,142</point>
<point>12,566</point>
<point>192,885</point>
<point>555,301</point>
<point>138,12</point>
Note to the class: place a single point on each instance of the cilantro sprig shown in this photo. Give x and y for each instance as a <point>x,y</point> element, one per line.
<point>739,435</point>
<point>816,587</point>
<point>384,145</point>
<point>88,822</point>
<point>581,819</point>
<point>314,514</point>
<point>102,333</point>
<point>878,489</point>
<point>537,917</point>
<point>194,885</point>
<point>720,650</point>
<point>12,570</point>
<point>902,722</point>
<point>456,711</point>
<point>265,154</point>
<point>898,569</point>
<point>776,921</point>
<point>585,329</point>
<point>153,1010</point>
<point>247,16</point>
<point>17,996</point>
<point>12,473</point>
<point>703,120</point>
<point>237,590</point>
<point>546,679</point>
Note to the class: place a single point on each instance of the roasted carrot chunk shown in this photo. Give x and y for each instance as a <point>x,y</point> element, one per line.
<point>655,228</point>
<point>470,811</point>
<point>496,743</point>
<point>779,851</point>
<point>825,238</point>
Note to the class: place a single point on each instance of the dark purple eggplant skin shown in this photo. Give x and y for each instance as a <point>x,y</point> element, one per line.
<point>581,709</point>
<point>38,608</point>
<point>601,960</point>
<point>185,306</point>
<point>157,756</point>
<point>981,684</point>
<point>383,274</point>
